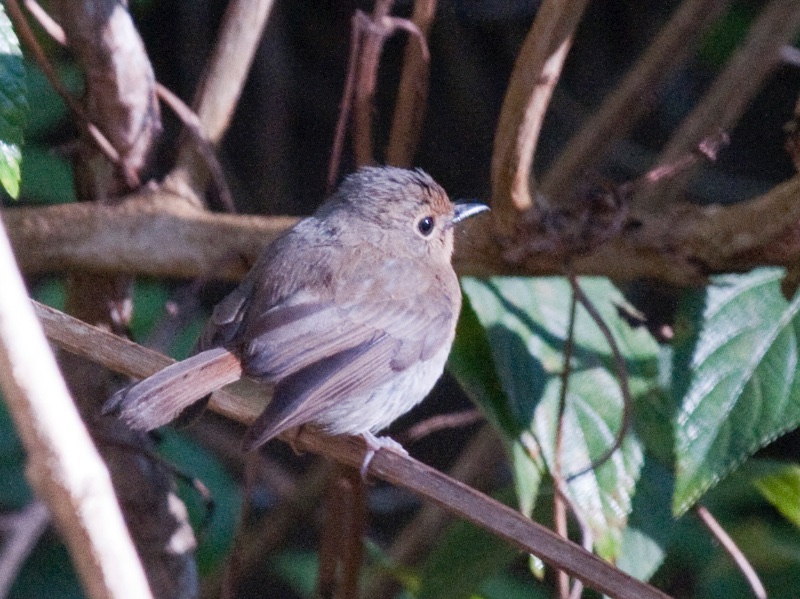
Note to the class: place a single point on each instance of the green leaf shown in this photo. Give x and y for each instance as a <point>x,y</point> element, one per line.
<point>13,106</point>
<point>526,324</point>
<point>46,176</point>
<point>298,569</point>
<point>472,365</point>
<point>782,490</point>
<point>651,525</point>
<point>735,377</point>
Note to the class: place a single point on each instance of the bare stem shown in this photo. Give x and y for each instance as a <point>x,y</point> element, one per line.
<point>731,92</point>
<point>221,86</point>
<point>412,95</point>
<point>528,95</point>
<point>730,547</point>
<point>632,98</point>
<point>23,530</point>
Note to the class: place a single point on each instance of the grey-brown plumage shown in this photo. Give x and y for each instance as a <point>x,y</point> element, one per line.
<point>349,315</point>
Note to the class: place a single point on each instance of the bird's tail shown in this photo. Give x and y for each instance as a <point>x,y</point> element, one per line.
<point>159,399</point>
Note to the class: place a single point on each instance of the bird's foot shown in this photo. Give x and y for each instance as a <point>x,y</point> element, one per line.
<point>373,445</point>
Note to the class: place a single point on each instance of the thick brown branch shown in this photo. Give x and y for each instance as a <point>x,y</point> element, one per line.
<point>120,93</point>
<point>395,468</point>
<point>632,98</point>
<point>152,234</point>
<point>532,82</point>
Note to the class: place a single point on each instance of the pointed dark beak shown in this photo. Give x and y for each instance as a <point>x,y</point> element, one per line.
<point>464,210</point>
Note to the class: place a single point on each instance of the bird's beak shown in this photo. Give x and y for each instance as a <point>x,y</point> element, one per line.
<point>464,210</point>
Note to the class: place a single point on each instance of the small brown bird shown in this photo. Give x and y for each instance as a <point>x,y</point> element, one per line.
<point>349,316</point>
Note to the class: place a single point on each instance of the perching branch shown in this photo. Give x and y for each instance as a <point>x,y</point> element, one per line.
<point>244,405</point>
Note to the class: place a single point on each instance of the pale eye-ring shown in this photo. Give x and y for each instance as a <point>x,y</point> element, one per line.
<point>425,225</point>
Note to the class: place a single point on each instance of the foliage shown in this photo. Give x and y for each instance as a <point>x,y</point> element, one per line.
<point>13,106</point>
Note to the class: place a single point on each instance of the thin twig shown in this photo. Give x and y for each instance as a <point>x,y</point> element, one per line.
<point>221,86</point>
<point>622,375</point>
<point>47,23</point>
<point>334,164</point>
<point>729,95</point>
<point>245,404</point>
<point>438,423</point>
<point>730,547</point>
<point>189,119</point>
<point>559,499</point>
<point>412,93</point>
<point>375,30</point>
<point>373,33</point>
<point>204,146</point>
<point>367,37</point>
<point>631,99</point>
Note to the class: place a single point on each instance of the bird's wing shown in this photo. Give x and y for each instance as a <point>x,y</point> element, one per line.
<point>315,353</point>
<point>224,323</point>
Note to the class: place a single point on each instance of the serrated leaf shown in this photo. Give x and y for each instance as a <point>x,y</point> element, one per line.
<point>526,323</point>
<point>782,490</point>
<point>13,106</point>
<point>650,526</point>
<point>735,377</point>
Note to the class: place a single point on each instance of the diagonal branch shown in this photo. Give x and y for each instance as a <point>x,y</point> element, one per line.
<point>221,86</point>
<point>64,467</point>
<point>404,471</point>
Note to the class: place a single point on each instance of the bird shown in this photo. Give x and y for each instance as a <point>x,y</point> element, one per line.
<point>348,317</point>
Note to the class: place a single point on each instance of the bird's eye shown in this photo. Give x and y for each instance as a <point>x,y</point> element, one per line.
<point>425,225</point>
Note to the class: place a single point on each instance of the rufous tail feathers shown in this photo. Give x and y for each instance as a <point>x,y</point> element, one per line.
<point>159,399</point>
